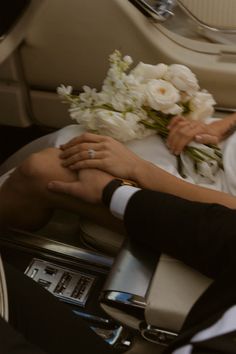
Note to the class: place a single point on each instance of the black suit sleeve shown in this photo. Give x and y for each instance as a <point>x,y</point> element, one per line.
<point>201,235</point>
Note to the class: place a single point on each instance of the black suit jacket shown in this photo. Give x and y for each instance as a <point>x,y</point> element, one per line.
<point>201,235</point>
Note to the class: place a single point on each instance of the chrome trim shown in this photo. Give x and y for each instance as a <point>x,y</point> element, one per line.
<point>156,335</point>
<point>117,297</point>
<point>43,244</point>
<point>202,24</point>
<point>118,337</point>
<point>132,270</point>
<point>160,10</point>
<point>93,318</point>
<point>225,109</point>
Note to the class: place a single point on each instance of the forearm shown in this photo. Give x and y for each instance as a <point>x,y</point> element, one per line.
<point>152,177</point>
<point>224,127</point>
<point>199,234</point>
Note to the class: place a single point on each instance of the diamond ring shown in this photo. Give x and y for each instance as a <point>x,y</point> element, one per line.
<point>91,153</point>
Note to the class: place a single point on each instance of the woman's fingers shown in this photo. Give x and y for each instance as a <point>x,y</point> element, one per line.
<point>85,155</point>
<point>175,134</point>
<point>70,151</point>
<point>188,135</point>
<point>86,137</point>
<point>182,134</point>
<point>99,152</point>
<point>175,121</point>
<point>73,150</point>
<point>85,147</point>
<point>207,139</point>
<point>83,164</point>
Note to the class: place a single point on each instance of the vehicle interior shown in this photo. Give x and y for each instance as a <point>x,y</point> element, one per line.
<point>132,298</point>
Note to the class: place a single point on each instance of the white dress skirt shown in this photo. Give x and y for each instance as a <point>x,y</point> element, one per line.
<point>150,148</point>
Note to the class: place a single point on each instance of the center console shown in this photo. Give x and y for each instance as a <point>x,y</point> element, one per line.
<point>70,272</point>
<point>151,293</point>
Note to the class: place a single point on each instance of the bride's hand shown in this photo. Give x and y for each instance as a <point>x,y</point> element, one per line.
<point>218,130</point>
<point>182,131</point>
<point>100,152</point>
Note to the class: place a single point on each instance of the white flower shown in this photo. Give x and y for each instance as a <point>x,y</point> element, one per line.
<point>163,96</point>
<point>182,78</point>
<point>201,106</point>
<point>123,127</point>
<point>128,60</point>
<point>85,117</point>
<point>208,170</point>
<point>63,90</point>
<point>113,124</point>
<point>144,72</point>
<point>89,96</point>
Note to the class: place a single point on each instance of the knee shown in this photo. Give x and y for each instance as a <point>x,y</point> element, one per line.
<point>45,166</point>
<point>40,166</point>
<point>31,177</point>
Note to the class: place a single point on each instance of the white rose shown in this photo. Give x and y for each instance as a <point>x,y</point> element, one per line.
<point>201,106</point>
<point>113,124</point>
<point>123,127</point>
<point>144,72</point>
<point>182,78</point>
<point>162,96</point>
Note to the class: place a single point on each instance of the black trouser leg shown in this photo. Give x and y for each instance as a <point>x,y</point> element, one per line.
<point>45,322</point>
<point>12,342</point>
<point>201,235</point>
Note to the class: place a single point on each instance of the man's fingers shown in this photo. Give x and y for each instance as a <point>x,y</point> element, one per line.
<point>69,188</point>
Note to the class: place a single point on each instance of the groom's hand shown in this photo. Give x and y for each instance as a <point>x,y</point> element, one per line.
<point>89,186</point>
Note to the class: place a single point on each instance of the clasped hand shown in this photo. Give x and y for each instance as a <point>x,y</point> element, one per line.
<point>182,131</point>
<point>110,155</point>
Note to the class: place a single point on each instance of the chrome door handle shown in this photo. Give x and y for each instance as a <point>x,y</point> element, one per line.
<point>159,10</point>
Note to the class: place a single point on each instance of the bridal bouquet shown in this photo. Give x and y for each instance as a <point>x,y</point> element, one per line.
<point>133,104</point>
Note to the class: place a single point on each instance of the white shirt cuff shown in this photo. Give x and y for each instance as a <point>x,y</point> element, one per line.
<point>120,200</point>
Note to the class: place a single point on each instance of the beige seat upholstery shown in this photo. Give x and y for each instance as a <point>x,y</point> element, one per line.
<point>100,238</point>
<point>175,287</point>
<point>173,290</point>
<point>150,295</point>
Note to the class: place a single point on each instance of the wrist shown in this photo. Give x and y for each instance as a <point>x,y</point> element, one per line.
<point>142,173</point>
<point>112,186</point>
<point>228,126</point>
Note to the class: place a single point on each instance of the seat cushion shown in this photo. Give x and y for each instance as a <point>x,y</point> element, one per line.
<point>100,238</point>
<point>174,289</point>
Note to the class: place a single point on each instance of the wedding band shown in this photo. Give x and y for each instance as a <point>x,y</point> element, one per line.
<point>91,153</point>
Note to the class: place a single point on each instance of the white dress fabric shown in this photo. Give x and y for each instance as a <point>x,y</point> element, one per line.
<point>150,148</point>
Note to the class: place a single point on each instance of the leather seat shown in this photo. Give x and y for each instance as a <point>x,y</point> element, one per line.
<point>100,238</point>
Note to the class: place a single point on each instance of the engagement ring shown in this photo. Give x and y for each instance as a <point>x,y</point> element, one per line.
<point>91,153</point>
